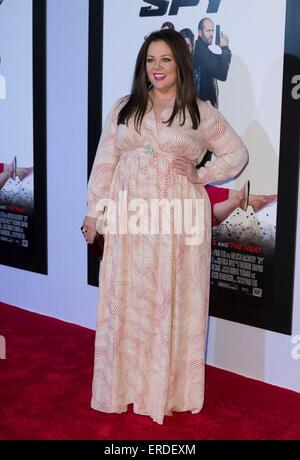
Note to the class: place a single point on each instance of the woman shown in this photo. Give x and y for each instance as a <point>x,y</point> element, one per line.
<point>153,308</point>
<point>189,37</point>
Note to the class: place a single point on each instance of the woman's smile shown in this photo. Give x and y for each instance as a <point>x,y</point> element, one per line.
<point>159,76</point>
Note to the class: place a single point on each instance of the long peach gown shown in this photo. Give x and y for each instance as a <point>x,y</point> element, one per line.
<point>154,288</point>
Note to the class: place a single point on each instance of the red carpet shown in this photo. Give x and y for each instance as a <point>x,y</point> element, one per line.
<point>45,385</point>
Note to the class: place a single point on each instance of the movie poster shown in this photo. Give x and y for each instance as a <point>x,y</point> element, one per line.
<point>22,117</point>
<point>238,51</point>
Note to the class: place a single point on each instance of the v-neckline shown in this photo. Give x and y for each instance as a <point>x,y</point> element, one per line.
<point>168,106</point>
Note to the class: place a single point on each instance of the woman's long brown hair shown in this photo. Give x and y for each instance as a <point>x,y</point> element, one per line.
<point>186,98</point>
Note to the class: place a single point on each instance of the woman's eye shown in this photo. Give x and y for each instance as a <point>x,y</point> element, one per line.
<point>150,60</point>
<point>166,60</point>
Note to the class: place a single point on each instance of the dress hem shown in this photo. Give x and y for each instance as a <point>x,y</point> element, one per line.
<point>119,410</point>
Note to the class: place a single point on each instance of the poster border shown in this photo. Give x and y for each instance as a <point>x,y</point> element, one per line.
<point>277,316</point>
<point>95,69</point>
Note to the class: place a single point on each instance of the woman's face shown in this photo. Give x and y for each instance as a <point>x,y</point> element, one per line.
<point>161,67</point>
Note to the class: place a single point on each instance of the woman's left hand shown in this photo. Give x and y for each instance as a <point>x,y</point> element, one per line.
<point>185,167</point>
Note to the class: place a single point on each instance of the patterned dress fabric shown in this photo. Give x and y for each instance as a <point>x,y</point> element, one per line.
<point>154,287</point>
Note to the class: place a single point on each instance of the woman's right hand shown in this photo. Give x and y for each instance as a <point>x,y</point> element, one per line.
<point>89,229</point>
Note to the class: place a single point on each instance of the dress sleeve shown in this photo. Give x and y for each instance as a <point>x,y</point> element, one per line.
<point>221,139</point>
<point>104,164</point>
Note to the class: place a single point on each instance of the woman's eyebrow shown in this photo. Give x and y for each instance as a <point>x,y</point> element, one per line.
<point>163,55</point>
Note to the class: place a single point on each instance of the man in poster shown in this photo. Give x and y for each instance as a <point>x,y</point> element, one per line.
<point>211,66</point>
